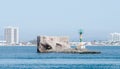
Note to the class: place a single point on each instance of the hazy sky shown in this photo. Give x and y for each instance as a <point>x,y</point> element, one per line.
<point>98,18</point>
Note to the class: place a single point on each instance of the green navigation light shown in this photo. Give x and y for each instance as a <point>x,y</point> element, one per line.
<point>80,31</point>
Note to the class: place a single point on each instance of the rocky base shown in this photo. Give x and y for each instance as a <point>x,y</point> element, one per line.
<point>75,51</point>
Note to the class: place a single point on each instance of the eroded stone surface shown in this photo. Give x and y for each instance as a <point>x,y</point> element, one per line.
<point>52,43</point>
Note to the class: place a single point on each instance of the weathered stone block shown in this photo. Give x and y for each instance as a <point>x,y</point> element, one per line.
<point>52,43</point>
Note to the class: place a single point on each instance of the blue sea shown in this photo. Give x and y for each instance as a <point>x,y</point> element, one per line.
<point>26,57</point>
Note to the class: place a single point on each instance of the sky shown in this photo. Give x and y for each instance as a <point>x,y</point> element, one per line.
<point>98,18</point>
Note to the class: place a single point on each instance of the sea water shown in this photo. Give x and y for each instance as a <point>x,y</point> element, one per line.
<point>26,57</point>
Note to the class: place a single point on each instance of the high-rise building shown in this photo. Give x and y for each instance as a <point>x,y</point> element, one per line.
<point>115,37</point>
<point>11,35</point>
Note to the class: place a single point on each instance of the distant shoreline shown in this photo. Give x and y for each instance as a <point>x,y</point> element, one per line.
<point>105,45</point>
<point>17,45</point>
<point>36,45</point>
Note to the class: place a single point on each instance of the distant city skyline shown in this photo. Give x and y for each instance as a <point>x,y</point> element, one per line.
<point>115,37</point>
<point>63,17</point>
<point>11,35</point>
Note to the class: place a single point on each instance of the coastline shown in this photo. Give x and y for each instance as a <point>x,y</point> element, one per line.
<point>87,45</point>
<point>103,45</point>
<point>16,45</point>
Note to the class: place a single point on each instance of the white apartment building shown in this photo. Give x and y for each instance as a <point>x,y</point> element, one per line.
<point>11,35</point>
<point>115,37</point>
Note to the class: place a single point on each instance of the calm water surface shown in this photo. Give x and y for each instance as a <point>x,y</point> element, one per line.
<point>18,57</point>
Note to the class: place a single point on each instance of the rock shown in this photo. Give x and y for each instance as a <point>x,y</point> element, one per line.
<point>46,43</point>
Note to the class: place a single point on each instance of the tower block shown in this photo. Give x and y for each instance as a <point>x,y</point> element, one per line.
<point>81,46</point>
